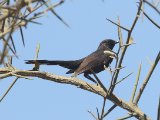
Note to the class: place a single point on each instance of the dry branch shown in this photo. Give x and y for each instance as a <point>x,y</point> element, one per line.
<point>151,20</point>
<point>125,47</point>
<point>147,78</point>
<point>151,5</point>
<point>17,15</point>
<point>8,89</point>
<point>14,11</point>
<point>6,72</point>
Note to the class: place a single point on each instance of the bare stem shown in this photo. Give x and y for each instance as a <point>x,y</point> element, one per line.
<point>147,78</point>
<point>125,47</point>
<point>6,72</point>
<point>8,89</point>
<point>136,83</point>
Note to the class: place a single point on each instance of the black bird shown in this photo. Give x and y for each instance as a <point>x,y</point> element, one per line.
<point>92,63</point>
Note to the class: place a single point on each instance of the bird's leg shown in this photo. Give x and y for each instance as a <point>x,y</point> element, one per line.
<point>112,70</point>
<point>90,78</point>
<point>108,69</point>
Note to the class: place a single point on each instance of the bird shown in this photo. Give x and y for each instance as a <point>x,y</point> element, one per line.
<point>94,62</point>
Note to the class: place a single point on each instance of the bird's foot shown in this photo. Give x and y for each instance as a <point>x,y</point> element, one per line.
<point>74,75</point>
<point>35,69</point>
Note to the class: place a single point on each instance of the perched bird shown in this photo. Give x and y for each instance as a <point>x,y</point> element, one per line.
<point>92,63</point>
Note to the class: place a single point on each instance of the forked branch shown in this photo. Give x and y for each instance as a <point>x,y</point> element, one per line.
<point>6,72</point>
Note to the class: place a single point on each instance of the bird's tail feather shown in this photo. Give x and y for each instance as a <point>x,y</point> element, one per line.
<point>45,62</point>
<point>72,64</point>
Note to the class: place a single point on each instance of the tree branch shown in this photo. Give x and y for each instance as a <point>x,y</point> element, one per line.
<point>6,72</point>
<point>147,78</point>
<point>151,20</point>
<point>125,48</point>
<point>151,5</point>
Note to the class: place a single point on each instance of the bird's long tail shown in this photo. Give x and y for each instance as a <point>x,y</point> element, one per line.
<point>72,64</point>
<point>44,62</point>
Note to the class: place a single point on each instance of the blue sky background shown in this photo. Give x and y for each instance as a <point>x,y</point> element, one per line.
<point>44,100</point>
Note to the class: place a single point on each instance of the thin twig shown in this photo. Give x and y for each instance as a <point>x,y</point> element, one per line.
<point>123,78</point>
<point>147,78</point>
<point>99,82</point>
<point>151,5</point>
<point>8,38</point>
<point>149,61</point>
<point>12,41</point>
<point>112,108</point>
<point>3,25</point>
<point>8,89</point>
<point>125,48</point>
<point>52,10</point>
<point>27,20</point>
<point>102,113</point>
<point>152,21</point>
<point>5,41</point>
<point>98,113</point>
<point>34,9</point>
<point>36,65</point>
<point>21,32</point>
<point>157,3</point>
<point>136,84</point>
<point>126,117</point>
<point>92,115</point>
<point>120,36</point>
<point>118,25</point>
<point>119,49</point>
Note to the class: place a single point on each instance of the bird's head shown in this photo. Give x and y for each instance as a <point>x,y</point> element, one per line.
<point>107,43</point>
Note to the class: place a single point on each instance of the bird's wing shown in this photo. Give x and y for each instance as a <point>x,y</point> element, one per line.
<point>94,61</point>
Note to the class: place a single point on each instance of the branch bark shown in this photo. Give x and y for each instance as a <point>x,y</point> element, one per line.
<point>147,78</point>
<point>133,109</point>
<point>115,76</point>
